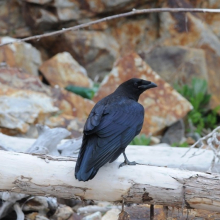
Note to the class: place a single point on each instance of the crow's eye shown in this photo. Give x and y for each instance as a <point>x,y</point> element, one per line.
<point>135,84</point>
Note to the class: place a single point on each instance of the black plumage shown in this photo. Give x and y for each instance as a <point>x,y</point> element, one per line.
<point>112,124</point>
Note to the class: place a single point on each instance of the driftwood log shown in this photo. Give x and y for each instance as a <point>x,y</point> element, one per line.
<point>157,155</point>
<point>54,176</point>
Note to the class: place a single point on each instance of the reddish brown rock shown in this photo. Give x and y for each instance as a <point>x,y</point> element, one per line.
<point>136,34</point>
<point>72,104</point>
<point>163,105</point>
<point>20,55</point>
<point>63,70</point>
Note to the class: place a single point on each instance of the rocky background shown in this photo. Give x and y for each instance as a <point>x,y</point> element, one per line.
<point>166,48</point>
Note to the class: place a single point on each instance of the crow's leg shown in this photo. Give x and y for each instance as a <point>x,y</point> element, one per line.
<point>127,162</point>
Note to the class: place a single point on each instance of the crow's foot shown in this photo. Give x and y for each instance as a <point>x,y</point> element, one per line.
<point>127,162</point>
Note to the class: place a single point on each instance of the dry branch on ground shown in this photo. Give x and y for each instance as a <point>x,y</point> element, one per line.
<point>136,184</point>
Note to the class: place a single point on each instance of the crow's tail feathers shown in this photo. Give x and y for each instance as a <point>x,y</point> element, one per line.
<point>82,171</point>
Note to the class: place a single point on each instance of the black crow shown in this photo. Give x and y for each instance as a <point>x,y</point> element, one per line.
<point>112,124</point>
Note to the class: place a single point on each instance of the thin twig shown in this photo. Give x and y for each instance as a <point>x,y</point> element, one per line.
<point>133,12</point>
<point>202,139</point>
<point>213,144</point>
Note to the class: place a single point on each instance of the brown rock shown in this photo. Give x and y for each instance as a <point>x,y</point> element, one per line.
<point>40,19</point>
<point>100,6</point>
<point>72,104</point>
<point>69,10</point>
<point>19,79</point>
<point>63,70</point>
<point>95,51</point>
<point>12,20</point>
<point>177,64</point>
<point>63,212</point>
<point>163,105</point>
<point>212,19</point>
<point>187,29</point>
<point>20,108</point>
<point>73,10</point>
<point>135,34</point>
<point>25,100</point>
<point>21,55</point>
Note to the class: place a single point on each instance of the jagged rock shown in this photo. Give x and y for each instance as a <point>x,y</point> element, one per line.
<point>20,108</point>
<point>40,19</point>
<point>187,29</point>
<point>21,55</point>
<point>63,70</point>
<point>20,79</point>
<point>63,212</point>
<point>136,34</point>
<point>72,104</point>
<point>109,6</point>
<point>163,105</point>
<point>73,10</point>
<point>94,50</point>
<point>177,64</point>
<point>12,24</point>
<point>174,134</point>
<point>25,100</point>
<point>211,19</point>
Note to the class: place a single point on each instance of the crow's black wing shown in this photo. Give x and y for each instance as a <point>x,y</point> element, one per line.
<point>107,132</point>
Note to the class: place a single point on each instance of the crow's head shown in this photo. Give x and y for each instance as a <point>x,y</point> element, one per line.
<point>134,87</point>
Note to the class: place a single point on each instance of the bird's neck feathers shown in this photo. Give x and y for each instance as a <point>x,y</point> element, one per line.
<point>127,93</point>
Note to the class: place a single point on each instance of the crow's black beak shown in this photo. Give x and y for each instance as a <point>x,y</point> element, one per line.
<point>147,86</point>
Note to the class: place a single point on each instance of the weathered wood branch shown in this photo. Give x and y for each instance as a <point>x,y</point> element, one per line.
<point>31,174</point>
<point>133,12</point>
<point>157,155</point>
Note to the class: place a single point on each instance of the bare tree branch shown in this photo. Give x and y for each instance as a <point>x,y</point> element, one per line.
<point>133,12</point>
